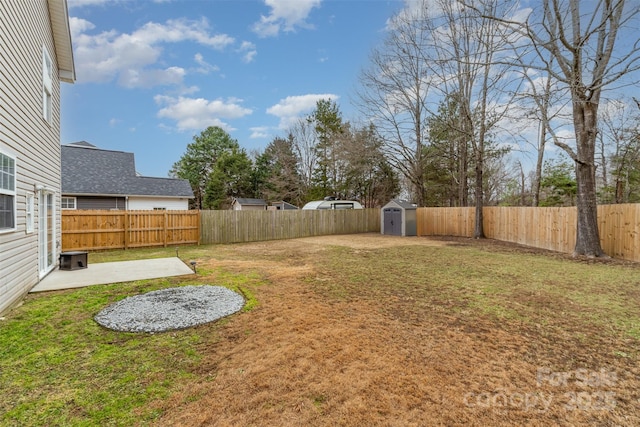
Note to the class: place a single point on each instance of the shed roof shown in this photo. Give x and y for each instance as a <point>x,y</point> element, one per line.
<point>401,204</point>
<point>285,205</point>
<point>248,201</point>
<point>88,170</point>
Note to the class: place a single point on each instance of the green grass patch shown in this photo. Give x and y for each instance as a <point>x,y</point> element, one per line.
<point>470,281</point>
<point>58,367</point>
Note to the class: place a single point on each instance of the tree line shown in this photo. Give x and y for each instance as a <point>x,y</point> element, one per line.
<point>322,155</point>
<point>455,84</point>
<point>446,97</point>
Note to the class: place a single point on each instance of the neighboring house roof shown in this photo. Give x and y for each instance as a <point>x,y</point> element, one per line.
<point>252,202</point>
<point>59,16</point>
<point>88,170</point>
<point>82,144</point>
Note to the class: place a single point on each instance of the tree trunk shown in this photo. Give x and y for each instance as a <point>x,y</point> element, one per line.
<point>463,164</point>
<point>538,177</point>
<point>588,236</point>
<point>619,191</point>
<point>523,198</point>
<point>587,233</point>
<point>478,232</point>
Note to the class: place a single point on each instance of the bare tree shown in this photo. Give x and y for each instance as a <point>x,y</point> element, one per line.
<point>465,53</point>
<point>620,132</point>
<point>548,105</point>
<point>393,93</point>
<point>590,57</point>
<point>304,141</point>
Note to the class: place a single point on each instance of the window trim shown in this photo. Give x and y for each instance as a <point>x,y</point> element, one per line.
<point>47,86</point>
<point>30,212</point>
<point>67,198</point>
<point>10,192</point>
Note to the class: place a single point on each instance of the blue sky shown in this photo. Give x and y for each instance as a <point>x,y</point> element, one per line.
<point>152,74</point>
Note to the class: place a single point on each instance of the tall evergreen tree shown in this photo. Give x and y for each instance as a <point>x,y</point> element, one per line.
<point>231,178</point>
<point>197,163</point>
<point>276,171</point>
<point>368,176</point>
<point>327,121</point>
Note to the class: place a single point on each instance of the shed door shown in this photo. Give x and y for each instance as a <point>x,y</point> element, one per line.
<point>393,221</point>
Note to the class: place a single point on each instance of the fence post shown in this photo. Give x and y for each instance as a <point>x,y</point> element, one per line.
<point>198,223</point>
<point>166,228</point>
<point>126,229</point>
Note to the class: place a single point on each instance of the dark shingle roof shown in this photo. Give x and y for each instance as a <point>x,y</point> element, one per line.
<point>247,201</point>
<point>90,170</point>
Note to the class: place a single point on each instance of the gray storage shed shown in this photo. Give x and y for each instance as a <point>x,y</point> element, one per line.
<point>399,219</point>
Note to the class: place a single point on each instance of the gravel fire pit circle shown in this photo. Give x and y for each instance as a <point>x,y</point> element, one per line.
<point>169,309</point>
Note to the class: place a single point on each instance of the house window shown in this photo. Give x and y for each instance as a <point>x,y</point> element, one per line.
<point>7,193</point>
<point>30,212</point>
<point>68,203</point>
<point>47,85</point>
<point>159,209</point>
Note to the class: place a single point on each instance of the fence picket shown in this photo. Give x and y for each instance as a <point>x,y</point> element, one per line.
<point>96,230</point>
<point>551,228</point>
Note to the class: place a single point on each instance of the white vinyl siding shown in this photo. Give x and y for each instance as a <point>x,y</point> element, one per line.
<point>25,28</point>
<point>151,203</point>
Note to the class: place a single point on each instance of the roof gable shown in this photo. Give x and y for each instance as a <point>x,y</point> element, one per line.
<point>248,201</point>
<point>88,170</point>
<point>59,16</point>
<point>401,204</point>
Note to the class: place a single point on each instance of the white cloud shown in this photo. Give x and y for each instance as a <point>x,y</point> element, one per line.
<point>81,3</point>
<point>199,113</point>
<point>285,15</point>
<point>130,58</point>
<point>188,90</point>
<point>204,66</point>
<point>248,50</point>
<point>292,108</point>
<point>177,30</point>
<point>150,78</point>
<point>259,132</point>
<point>78,26</point>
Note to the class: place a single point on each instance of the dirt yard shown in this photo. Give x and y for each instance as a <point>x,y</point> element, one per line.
<point>306,357</point>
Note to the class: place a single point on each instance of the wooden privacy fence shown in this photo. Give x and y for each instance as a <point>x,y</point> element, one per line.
<point>251,226</point>
<point>102,229</point>
<point>551,228</point>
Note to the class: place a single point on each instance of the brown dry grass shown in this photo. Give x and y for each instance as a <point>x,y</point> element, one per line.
<point>318,352</point>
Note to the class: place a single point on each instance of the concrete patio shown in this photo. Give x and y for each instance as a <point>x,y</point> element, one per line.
<point>113,272</point>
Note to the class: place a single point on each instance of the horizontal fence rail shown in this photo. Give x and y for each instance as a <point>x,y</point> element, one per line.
<point>103,229</point>
<point>551,228</point>
<point>229,226</point>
